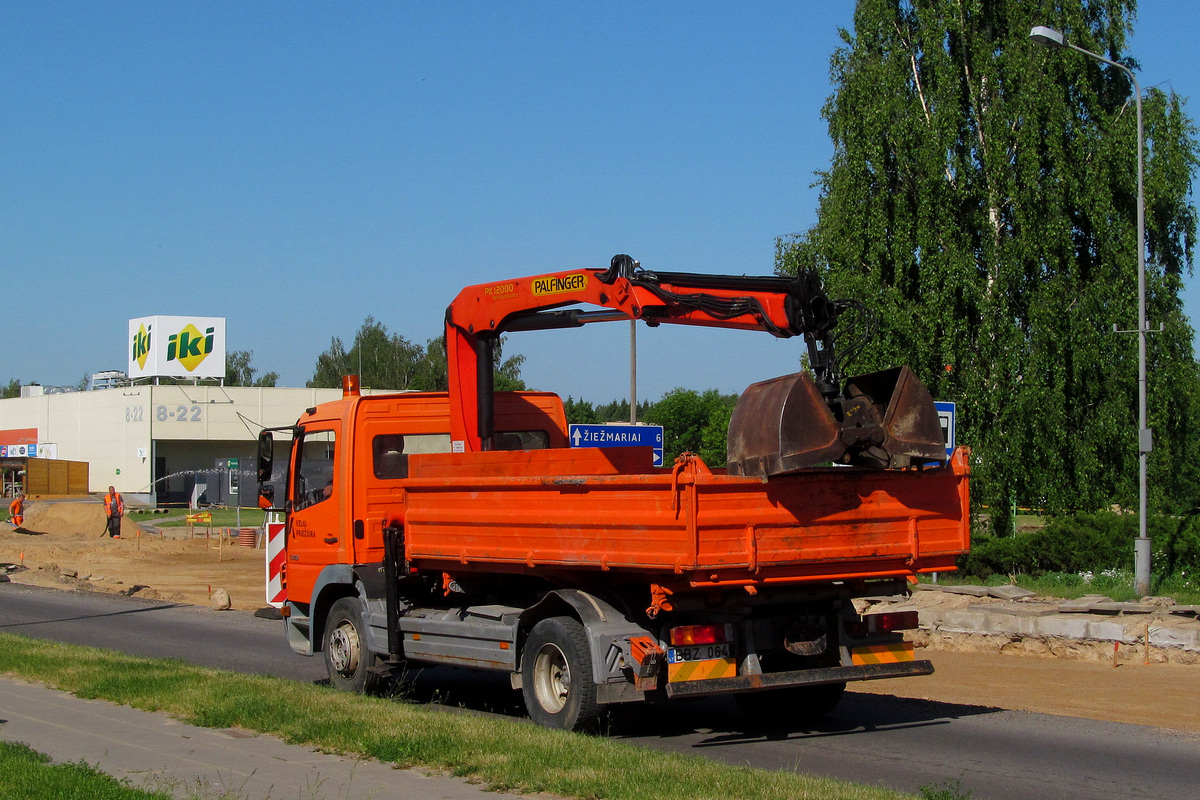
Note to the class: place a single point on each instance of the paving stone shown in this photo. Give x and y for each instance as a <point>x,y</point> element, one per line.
<point>1186,638</point>
<point>1015,611</point>
<point>1186,611</point>
<point>973,591</point>
<point>1121,608</point>
<point>1010,592</point>
<point>1082,605</point>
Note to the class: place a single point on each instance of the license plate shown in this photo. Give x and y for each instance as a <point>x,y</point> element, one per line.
<point>700,652</point>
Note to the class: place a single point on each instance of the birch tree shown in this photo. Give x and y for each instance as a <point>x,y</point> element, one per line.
<point>982,199</point>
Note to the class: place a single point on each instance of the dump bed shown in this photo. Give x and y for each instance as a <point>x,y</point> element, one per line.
<point>609,510</point>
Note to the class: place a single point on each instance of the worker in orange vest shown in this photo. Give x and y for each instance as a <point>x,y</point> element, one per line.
<point>16,510</point>
<point>114,508</point>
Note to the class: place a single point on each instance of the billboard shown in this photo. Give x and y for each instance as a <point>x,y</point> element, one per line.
<point>176,347</point>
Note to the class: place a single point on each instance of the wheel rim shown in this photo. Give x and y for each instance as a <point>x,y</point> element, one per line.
<point>344,649</point>
<point>551,678</point>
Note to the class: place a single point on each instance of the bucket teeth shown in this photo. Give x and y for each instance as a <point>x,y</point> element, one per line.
<point>883,419</point>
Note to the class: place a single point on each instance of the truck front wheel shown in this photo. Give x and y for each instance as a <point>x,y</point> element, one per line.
<point>345,646</point>
<point>556,669</point>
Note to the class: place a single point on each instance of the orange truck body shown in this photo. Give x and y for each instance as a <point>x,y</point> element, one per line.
<point>462,528</point>
<point>604,533</point>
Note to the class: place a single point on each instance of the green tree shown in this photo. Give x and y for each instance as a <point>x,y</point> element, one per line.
<point>693,422</point>
<point>981,198</point>
<point>389,361</point>
<point>431,373</point>
<point>12,389</point>
<point>508,370</point>
<point>239,370</point>
<point>381,360</point>
<point>579,412</point>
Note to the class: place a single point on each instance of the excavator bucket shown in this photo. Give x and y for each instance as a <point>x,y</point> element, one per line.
<point>889,420</point>
<point>780,426</point>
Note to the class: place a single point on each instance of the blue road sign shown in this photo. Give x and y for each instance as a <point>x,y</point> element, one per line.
<point>946,412</point>
<point>620,435</point>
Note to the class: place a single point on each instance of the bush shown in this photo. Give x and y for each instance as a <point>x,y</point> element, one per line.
<point>1084,542</point>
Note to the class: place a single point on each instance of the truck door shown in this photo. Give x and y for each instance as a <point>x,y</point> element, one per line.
<point>314,535</point>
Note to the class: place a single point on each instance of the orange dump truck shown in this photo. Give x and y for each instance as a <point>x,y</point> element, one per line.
<point>462,528</point>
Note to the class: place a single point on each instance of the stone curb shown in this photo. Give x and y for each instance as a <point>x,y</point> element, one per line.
<point>1092,618</point>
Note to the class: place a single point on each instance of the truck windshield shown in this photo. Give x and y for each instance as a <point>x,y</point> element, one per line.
<point>314,469</point>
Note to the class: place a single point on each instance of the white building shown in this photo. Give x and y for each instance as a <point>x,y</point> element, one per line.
<point>153,443</point>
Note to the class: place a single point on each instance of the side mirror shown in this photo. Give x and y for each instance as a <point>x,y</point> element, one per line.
<point>266,456</point>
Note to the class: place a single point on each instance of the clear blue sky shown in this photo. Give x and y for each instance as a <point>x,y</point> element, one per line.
<point>296,167</point>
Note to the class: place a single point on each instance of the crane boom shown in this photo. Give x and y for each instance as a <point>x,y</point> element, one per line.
<point>781,306</point>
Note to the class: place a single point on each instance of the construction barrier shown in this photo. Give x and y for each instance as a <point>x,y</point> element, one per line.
<point>276,556</point>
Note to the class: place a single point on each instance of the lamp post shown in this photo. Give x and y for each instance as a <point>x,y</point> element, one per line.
<point>1141,549</point>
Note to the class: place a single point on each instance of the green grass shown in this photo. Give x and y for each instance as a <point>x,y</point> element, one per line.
<point>29,775</point>
<point>221,518</point>
<point>503,754</point>
<point>1117,584</point>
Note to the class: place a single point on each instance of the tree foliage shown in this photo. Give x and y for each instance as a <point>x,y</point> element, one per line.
<point>693,422</point>
<point>239,370</point>
<point>11,389</point>
<point>583,412</point>
<point>982,199</point>
<point>384,360</point>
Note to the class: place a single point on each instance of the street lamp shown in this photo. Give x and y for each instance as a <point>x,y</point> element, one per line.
<point>1141,547</point>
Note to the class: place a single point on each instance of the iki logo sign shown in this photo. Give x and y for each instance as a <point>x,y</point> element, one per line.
<point>190,347</point>
<point>177,347</point>
<point>141,345</point>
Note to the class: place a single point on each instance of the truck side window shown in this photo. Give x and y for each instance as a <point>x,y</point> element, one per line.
<point>522,440</point>
<point>387,456</point>
<point>314,469</point>
<point>390,451</point>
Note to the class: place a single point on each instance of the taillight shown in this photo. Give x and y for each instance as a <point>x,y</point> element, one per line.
<point>893,621</point>
<point>701,634</point>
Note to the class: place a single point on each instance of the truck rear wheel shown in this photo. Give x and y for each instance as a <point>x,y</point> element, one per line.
<point>345,646</point>
<point>792,703</point>
<point>556,668</point>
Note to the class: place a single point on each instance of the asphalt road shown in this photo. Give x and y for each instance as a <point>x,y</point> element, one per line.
<point>874,739</point>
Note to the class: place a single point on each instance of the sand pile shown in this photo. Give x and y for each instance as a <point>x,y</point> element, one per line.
<point>71,518</point>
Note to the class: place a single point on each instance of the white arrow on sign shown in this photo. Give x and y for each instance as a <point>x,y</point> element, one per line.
<point>578,436</point>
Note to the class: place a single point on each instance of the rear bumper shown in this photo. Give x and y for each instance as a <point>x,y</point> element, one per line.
<point>779,680</point>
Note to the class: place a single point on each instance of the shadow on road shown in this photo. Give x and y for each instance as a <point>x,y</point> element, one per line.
<point>106,614</point>
<point>718,721</point>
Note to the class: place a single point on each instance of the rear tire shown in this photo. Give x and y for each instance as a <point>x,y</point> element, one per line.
<point>556,675</point>
<point>795,703</point>
<point>345,646</point>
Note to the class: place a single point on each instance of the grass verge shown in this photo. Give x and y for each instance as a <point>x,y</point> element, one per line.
<point>504,754</point>
<point>29,775</point>
<point>221,518</point>
<point>1117,584</point>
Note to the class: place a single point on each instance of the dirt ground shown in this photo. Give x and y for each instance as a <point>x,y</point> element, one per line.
<point>64,545</point>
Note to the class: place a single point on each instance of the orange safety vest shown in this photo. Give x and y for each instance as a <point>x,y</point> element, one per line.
<point>113,505</point>
<point>14,508</point>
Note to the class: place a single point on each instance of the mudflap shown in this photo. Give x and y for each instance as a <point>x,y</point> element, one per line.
<point>882,419</point>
